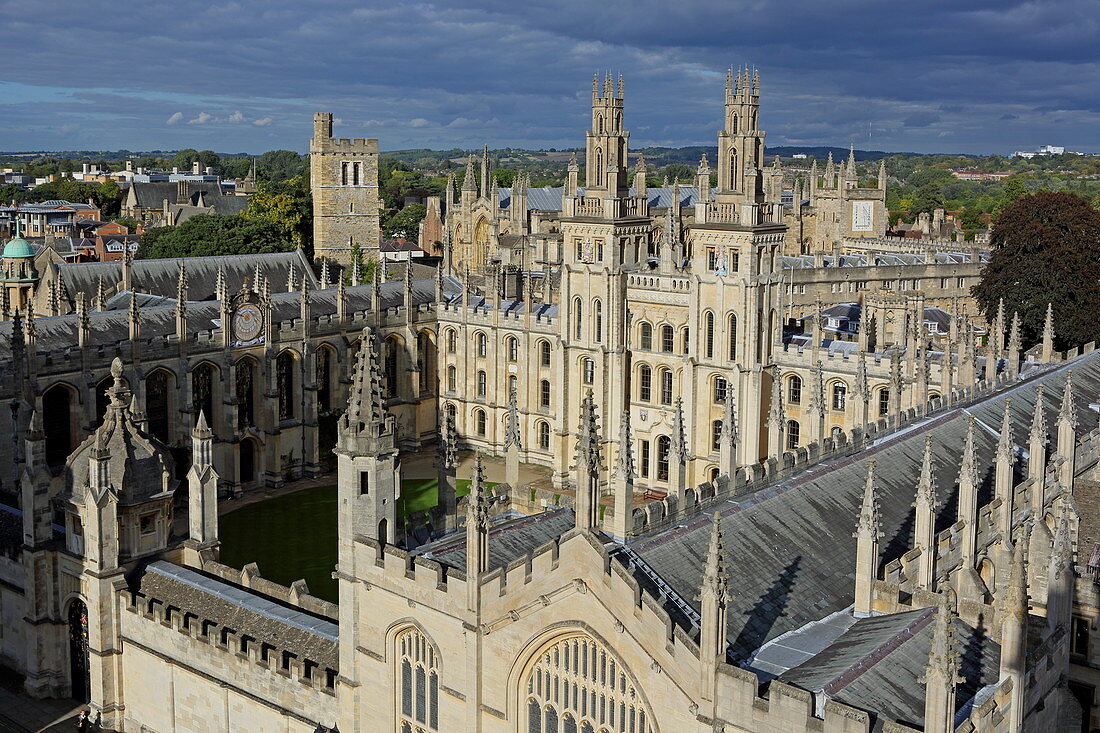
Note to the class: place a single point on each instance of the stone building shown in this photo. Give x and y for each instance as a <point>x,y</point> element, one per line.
<point>343,176</point>
<point>162,203</point>
<point>750,524</point>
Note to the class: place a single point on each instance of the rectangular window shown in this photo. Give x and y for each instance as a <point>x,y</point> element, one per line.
<point>364,483</point>
<point>960,282</point>
<point>645,458</point>
<point>1080,641</point>
<point>148,524</point>
<point>712,259</point>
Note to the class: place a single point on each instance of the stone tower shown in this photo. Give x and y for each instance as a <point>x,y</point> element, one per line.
<point>741,141</point>
<point>606,148</point>
<point>343,175</point>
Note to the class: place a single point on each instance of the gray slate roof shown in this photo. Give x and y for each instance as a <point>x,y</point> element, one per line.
<point>159,277</point>
<point>549,199</point>
<point>509,539</point>
<point>790,547</point>
<point>242,610</point>
<point>877,663</point>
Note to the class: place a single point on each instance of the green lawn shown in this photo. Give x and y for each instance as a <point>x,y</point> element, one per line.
<point>294,536</point>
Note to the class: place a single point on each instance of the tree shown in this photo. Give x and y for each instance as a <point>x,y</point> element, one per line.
<point>1044,251</point>
<point>928,197</point>
<point>406,222</point>
<point>207,235</point>
<point>1014,187</point>
<point>283,205</point>
<point>281,165</point>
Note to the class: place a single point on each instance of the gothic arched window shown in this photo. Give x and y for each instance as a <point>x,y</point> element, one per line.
<point>513,348</point>
<point>544,353</point>
<point>668,339</point>
<point>709,333</point>
<point>645,383</point>
<point>578,323</point>
<point>597,320</point>
<point>577,685</point>
<point>731,335</point>
<point>794,389</point>
<point>645,336</point>
<point>418,682</point>
<point>543,429</point>
<point>482,343</point>
<point>666,386</point>
<point>792,434</point>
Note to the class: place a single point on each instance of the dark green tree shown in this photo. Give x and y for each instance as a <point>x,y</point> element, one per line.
<point>1044,251</point>
<point>928,197</point>
<point>406,222</point>
<point>207,235</point>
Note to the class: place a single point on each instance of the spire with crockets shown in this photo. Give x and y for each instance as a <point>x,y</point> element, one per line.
<point>366,402</point>
<point>588,466</point>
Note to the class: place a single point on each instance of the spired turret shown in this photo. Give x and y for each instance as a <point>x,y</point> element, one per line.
<point>367,457</point>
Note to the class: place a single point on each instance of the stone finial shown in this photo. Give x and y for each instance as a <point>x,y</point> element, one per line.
<point>1038,419</point>
<point>943,657</point>
<point>862,386</point>
<point>968,469</point>
<point>679,433</point>
<point>202,429</point>
<point>624,462</point>
<point>291,279</point>
<point>817,391</point>
<point>511,425</point>
<point>118,392</point>
<point>356,272</point>
<point>100,302</point>
<point>477,508</point>
<point>588,435</point>
<point>1067,412</point>
<point>448,442</point>
<point>1014,599</point>
<point>729,420</point>
<point>869,520</point>
<point>326,279</point>
<point>221,288</point>
<point>715,575</point>
<point>926,500</point>
<point>1005,445</point>
<point>1048,336</point>
<point>776,416</point>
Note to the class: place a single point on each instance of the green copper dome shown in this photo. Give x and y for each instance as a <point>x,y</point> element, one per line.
<point>18,247</point>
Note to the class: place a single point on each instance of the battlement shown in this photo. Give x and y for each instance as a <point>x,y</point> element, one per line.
<point>345,145</point>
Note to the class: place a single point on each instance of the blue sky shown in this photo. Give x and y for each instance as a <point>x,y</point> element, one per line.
<point>245,75</point>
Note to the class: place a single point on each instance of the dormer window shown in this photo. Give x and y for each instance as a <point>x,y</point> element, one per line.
<point>147,523</point>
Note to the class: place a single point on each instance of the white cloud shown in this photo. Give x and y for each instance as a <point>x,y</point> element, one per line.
<point>418,122</point>
<point>262,122</point>
<point>202,119</point>
<point>236,117</point>
<point>176,117</point>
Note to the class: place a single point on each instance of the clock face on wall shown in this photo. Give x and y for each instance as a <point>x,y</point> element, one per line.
<point>248,322</point>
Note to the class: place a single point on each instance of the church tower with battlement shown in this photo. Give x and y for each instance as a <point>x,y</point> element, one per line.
<point>343,175</point>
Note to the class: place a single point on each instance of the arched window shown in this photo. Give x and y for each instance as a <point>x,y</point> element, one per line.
<point>479,421</point>
<point>716,435</point>
<point>482,383</point>
<point>597,320</point>
<point>244,374</point>
<point>513,385</point>
<point>794,389</point>
<point>544,394</point>
<point>665,376</point>
<point>575,684</point>
<point>599,167</point>
<point>578,322</point>
<point>326,387</point>
<point>392,347</point>
<point>57,423</point>
<point>664,447</point>
<point>733,168</point>
<point>884,401</point>
<point>513,348</point>
<point>452,378</point>
<point>720,388</point>
<point>203,379</point>
<point>452,341</point>
<point>645,383</point>
<point>285,373</point>
<point>159,386</point>
<point>543,430</point>
<point>792,434</point>
<point>418,682</point>
<point>685,340</point>
<point>452,411</point>
<point>544,353</point>
<point>733,124</point>
<point>668,340</point>
<point>482,344</point>
<point>708,343</point>
<point>588,370</point>
<point>840,395</point>
<point>731,336</point>
<point>645,336</point>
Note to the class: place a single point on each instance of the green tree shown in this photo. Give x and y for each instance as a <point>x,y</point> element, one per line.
<point>1044,251</point>
<point>277,204</point>
<point>406,222</point>
<point>679,172</point>
<point>1013,188</point>
<point>928,197</point>
<point>208,235</point>
<point>281,165</point>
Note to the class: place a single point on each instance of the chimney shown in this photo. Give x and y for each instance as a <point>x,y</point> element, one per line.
<point>195,169</point>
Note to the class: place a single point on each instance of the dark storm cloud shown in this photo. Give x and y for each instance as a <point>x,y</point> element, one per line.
<point>248,75</point>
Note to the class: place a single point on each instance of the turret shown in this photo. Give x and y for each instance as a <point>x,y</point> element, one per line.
<point>367,457</point>
<point>1047,349</point>
<point>202,484</point>
<point>606,148</point>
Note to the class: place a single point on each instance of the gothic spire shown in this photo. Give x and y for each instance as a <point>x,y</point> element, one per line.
<point>588,435</point>
<point>1038,419</point>
<point>624,463</point>
<point>679,433</point>
<point>1048,335</point>
<point>1067,412</point>
<point>715,575</point>
<point>868,525</point>
<point>1005,445</point>
<point>365,403</point>
<point>729,420</point>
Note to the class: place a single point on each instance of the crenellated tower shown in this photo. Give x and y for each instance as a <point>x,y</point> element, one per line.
<point>606,142</point>
<point>741,141</point>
